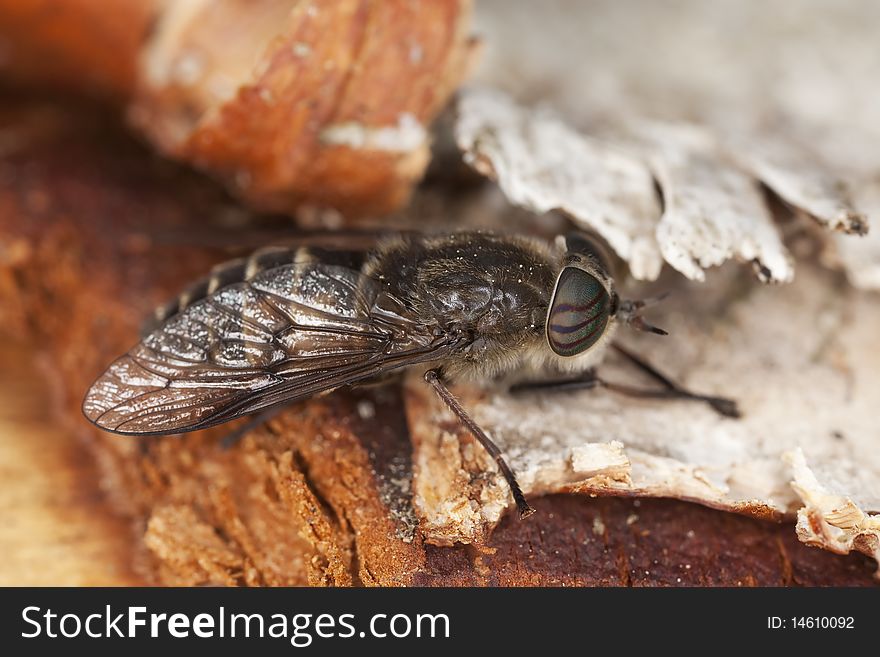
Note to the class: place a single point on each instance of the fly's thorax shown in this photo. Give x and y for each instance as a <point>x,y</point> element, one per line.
<point>491,291</point>
<point>526,358</point>
<point>470,283</point>
<point>489,357</point>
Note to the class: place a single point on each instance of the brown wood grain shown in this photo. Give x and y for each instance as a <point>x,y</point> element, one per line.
<point>77,45</point>
<point>57,528</point>
<point>252,91</point>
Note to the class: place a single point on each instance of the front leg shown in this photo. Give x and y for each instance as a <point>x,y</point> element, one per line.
<point>671,390</point>
<point>721,405</point>
<point>434,378</point>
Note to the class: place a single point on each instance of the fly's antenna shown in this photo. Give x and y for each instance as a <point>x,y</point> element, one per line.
<point>628,312</point>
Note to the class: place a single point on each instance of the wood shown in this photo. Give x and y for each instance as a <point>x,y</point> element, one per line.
<point>65,44</point>
<point>294,105</point>
<point>58,529</point>
<point>94,232</point>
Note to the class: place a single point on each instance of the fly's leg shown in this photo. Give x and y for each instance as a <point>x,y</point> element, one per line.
<point>434,378</point>
<point>721,405</point>
<point>231,439</point>
<point>671,390</point>
<point>586,381</point>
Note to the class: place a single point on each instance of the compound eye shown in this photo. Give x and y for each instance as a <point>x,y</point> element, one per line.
<point>579,312</point>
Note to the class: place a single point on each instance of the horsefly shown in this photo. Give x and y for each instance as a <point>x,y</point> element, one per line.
<point>288,324</point>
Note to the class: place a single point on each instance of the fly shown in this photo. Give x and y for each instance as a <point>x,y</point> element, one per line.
<point>288,324</point>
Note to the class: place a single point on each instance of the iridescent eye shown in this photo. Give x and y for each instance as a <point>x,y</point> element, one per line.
<point>578,313</point>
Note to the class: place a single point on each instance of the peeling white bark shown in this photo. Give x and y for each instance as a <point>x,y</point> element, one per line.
<point>829,520</point>
<point>860,255</point>
<point>543,164</point>
<point>795,110</point>
<point>796,176</point>
<point>713,211</point>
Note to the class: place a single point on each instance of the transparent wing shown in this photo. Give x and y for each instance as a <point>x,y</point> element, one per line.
<point>287,334</point>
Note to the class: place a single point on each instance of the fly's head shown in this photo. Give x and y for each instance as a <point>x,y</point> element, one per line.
<point>584,307</point>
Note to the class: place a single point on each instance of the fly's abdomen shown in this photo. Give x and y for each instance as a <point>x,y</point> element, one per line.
<point>246,269</point>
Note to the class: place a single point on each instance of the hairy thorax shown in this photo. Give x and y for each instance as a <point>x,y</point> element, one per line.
<point>493,292</point>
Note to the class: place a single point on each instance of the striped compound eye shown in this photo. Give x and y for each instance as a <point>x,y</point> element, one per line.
<point>579,312</point>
